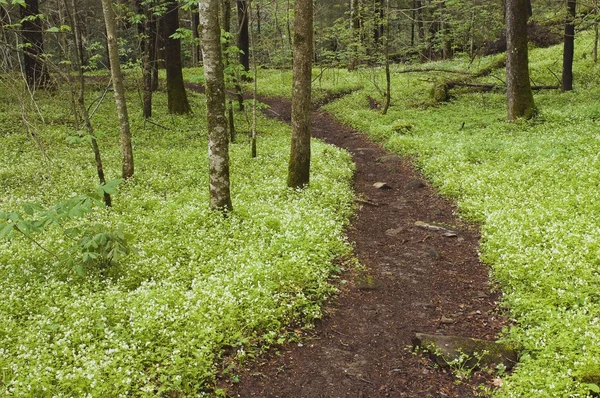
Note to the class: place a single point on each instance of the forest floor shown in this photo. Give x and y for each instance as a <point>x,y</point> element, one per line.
<point>416,280</point>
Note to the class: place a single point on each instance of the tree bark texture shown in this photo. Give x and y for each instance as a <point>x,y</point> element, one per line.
<point>569,46</point>
<point>299,164</point>
<point>519,95</point>
<point>36,72</point>
<point>218,141</point>
<point>176,96</point>
<point>119,89</point>
<point>243,36</point>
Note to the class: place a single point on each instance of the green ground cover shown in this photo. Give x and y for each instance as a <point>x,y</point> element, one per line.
<point>534,186</point>
<point>197,284</point>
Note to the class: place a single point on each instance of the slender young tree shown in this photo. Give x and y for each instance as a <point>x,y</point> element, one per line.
<point>218,141</point>
<point>36,72</point>
<point>569,46</point>
<point>386,51</point>
<point>519,95</point>
<point>299,164</point>
<point>80,110</point>
<point>118,88</point>
<point>176,95</point>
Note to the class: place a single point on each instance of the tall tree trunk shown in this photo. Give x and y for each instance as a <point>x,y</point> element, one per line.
<point>195,35</point>
<point>569,46</point>
<point>519,95</point>
<point>144,27</point>
<point>176,95</point>
<point>243,36</point>
<point>6,53</point>
<point>419,9</point>
<point>79,97</point>
<point>378,31</point>
<point>218,142</point>
<point>148,62</point>
<point>412,23</point>
<point>386,51</point>
<point>36,72</point>
<point>119,89</point>
<point>299,164</point>
<point>355,28</point>
<point>155,37</point>
<point>595,49</point>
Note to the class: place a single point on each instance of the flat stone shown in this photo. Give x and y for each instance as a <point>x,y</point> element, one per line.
<point>414,184</point>
<point>382,185</point>
<point>465,351</point>
<point>446,320</point>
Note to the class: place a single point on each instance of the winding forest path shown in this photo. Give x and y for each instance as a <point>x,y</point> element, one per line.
<point>418,281</point>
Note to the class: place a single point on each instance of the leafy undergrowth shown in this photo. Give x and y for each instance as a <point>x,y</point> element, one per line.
<point>196,285</point>
<point>534,186</point>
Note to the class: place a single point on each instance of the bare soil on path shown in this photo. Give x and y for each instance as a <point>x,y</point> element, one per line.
<point>417,280</point>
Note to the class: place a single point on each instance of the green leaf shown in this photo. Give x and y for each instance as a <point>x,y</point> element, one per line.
<point>593,388</point>
<point>53,29</point>
<point>6,230</point>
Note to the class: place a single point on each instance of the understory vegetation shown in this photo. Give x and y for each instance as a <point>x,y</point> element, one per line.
<point>534,188</point>
<point>196,288</point>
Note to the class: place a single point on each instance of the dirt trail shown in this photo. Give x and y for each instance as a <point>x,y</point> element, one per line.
<point>419,281</point>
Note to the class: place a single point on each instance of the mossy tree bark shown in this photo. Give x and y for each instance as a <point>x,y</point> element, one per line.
<point>569,46</point>
<point>118,88</point>
<point>36,71</point>
<point>519,95</point>
<point>176,96</point>
<point>299,164</point>
<point>218,141</point>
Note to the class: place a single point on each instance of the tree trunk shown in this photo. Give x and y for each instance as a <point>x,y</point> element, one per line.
<point>519,95</point>
<point>378,32</point>
<point>569,46</point>
<point>196,45</point>
<point>36,72</point>
<point>419,10</point>
<point>119,89</point>
<point>147,62</point>
<point>176,95</point>
<point>412,24</point>
<point>71,10</point>
<point>218,142</point>
<point>299,165</point>
<point>243,36</point>
<point>7,64</point>
<point>386,50</point>
<point>154,38</point>
<point>355,27</point>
